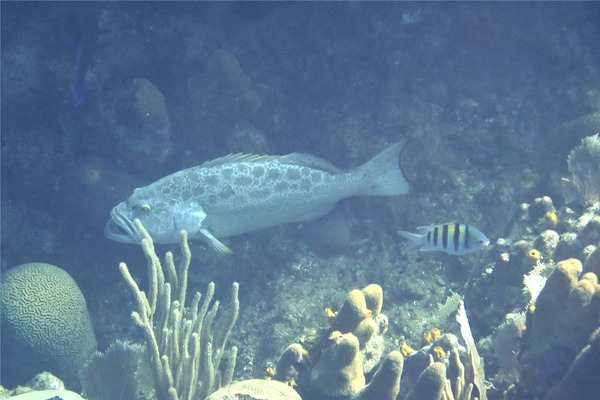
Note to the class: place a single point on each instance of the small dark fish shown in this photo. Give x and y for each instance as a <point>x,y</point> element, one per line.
<point>83,62</point>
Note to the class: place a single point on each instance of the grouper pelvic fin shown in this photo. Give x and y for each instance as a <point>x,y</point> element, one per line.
<point>215,243</point>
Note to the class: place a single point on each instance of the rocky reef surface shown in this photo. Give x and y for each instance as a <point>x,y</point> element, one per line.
<point>500,105</point>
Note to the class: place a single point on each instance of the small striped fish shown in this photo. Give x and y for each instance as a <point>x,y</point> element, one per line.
<point>451,238</point>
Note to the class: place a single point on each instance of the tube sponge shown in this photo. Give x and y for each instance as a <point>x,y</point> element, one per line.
<point>430,384</point>
<point>581,381</point>
<point>45,324</point>
<point>353,311</point>
<point>566,313</point>
<point>339,372</point>
<point>385,384</point>
<point>373,298</point>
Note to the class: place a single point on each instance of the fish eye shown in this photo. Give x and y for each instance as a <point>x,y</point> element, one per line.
<point>144,208</point>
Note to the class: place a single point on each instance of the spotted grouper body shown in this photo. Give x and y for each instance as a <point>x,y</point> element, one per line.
<point>251,195</point>
<point>244,193</point>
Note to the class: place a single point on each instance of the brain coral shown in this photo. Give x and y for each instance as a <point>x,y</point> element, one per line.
<point>45,324</point>
<point>255,389</point>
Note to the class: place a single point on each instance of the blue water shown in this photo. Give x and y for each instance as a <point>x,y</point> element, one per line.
<point>483,92</point>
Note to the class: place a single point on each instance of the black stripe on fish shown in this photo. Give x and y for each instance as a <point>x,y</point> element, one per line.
<point>435,236</point>
<point>456,236</point>
<point>445,236</point>
<point>466,240</point>
<point>429,237</point>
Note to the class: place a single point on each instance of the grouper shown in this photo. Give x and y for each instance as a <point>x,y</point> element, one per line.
<point>242,193</point>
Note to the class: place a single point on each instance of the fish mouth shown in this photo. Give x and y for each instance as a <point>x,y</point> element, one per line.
<point>120,228</point>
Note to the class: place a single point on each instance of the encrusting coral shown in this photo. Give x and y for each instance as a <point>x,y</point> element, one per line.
<point>187,351</point>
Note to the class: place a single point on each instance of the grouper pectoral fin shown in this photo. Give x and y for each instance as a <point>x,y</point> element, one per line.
<point>215,243</point>
<point>198,218</point>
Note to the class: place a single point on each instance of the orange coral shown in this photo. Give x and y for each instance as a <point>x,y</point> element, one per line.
<point>551,219</point>
<point>330,314</point>
<point>431,335</point>
<point>534,256</point>
<point>439,352</point>
<point>406,350</point>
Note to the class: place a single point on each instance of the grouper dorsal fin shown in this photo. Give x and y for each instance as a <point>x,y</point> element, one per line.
<point>310,161</point>
<point>237,158</point>
<point>301,159</point>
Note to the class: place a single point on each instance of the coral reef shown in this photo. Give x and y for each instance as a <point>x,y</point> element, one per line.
<point>42,384</point>
<point>506,342</point>
<point>523,258</point>
<point>584,166</point>
<point>122,371</point>
<point>475,374</point>
<point>559,324</point>
<point>385,383</point>
<point>578,383</point>
<point>559,301</point>
<point>45,324</point>
<point>592,263</point>
<point>335,366</point>
<point>336,78</point>
<point>40,394</point>
<point>337,360</point>
<point>430,384</point>
<point>227,88</point>
<point>136,114</point>
<point>187,348</point>
<point>565,314</point>
<point>361,315</point>
<point>338,373</point>
<point>255,389</point>
<point>222,95</point>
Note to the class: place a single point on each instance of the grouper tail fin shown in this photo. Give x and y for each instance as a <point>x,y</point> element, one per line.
<point>385,178</point>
